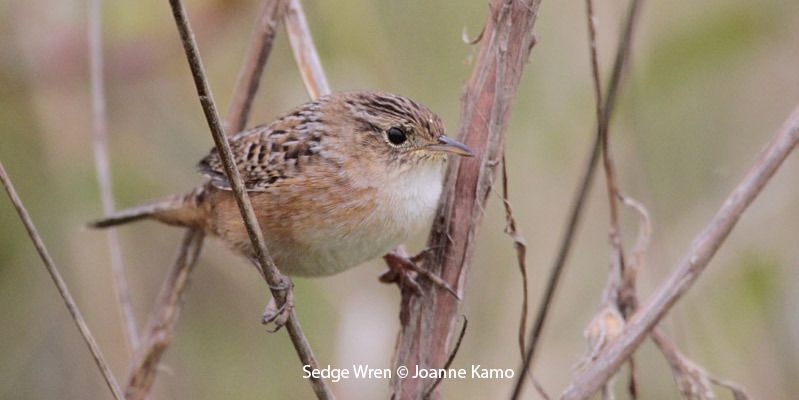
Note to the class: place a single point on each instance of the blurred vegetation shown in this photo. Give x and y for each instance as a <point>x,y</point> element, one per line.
<point>708,84</point>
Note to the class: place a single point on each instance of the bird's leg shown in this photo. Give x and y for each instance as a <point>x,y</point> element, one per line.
<point>277,311</point>
<point>278,315</point>
<point>403,270</point>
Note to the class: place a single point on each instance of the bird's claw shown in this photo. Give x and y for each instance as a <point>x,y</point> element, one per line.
<point>278,316</point>
<point>404,271</point>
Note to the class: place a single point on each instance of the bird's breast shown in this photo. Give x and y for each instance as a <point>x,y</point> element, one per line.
<point>408,201</point>
<point>367,228</point>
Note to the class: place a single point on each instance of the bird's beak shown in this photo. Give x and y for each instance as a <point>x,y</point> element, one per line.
<point>448,145</point>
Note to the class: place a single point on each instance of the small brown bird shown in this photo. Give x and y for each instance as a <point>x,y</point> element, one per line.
<point>334,183</point>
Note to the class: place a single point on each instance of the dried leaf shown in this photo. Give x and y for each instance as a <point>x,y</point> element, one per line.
<point>606,325</point>
<point>641,247</point>
<point>627,297</point>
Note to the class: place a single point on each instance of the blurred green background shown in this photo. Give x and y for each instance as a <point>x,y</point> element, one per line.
<point>709,83</point>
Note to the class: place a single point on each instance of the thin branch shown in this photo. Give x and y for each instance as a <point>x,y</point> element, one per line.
<point>305,53</point>
<point>72,307</point>
<point>101,164</point>
<point>579,201</point>
<point>604,113</point>
<point>162,323</point>
<point>504,50</point>
<point>691,379</point>
<point>688,269</point>
<point>252,68</point>
<point>622,55</point>
<point>253,65</point>
<point>599,329</point>
<point>520,245</point>
<point>594,55</point>
<point>539,389</point>
<point>617,253</point>
<point>279,285</point>
<point>614,290</point>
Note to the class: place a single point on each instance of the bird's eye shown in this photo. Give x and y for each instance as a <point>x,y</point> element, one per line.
<point>396,136</point>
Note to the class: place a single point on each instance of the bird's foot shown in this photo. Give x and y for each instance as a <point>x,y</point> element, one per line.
<point>278,315</point>
<point>404,270</point>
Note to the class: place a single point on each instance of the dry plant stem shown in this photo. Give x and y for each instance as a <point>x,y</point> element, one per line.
<point>304,51</point>
<point>504,50</point>
<point>668,349</point>
<point>520,245</point>
<point>602,133</point>
<point>622,55</point>
<point>589,5</point>
<point>101,164</point>
<point>263,36</point>
<point>279,285</point>
<point>690,266</point>
<point>604,112</point>
<point>163,319</point>
<point>243,97</point>
<point>450,359</point>
<point>679,365</point>
<point>72,307</point>
<point>578,204</point>
<point>615,283</point>
<point>162,323</point>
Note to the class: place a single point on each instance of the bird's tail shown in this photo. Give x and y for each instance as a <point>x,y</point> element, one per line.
<point>180,210</point>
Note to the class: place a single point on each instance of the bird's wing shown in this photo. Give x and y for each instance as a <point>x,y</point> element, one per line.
<point>266,155</point>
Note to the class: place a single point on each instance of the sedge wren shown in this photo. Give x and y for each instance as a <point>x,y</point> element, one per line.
<point>334,183</point>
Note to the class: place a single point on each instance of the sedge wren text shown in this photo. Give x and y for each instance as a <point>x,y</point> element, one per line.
<point>334,183</point>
